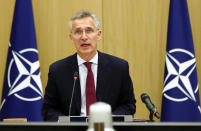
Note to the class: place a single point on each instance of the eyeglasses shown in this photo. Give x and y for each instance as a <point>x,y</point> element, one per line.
<point>80,32</point>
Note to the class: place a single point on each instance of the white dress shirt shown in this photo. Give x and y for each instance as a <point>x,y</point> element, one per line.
<point>83,71</point>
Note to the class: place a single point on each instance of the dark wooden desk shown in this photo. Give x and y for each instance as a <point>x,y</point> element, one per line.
<point>119,126</point>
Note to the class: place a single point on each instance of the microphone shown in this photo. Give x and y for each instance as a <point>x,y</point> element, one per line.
<point>75,78</point>
<point>146,99</point>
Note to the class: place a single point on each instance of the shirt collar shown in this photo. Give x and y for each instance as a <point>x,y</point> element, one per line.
<point>94,60</point>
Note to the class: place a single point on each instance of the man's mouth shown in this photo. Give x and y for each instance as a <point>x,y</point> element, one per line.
<point>85,44</point>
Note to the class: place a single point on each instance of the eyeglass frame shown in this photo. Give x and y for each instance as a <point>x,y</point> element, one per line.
<point>88,31</point>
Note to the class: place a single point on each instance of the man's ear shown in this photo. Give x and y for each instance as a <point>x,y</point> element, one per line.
<point>70,36</point>
<point>99,34</point>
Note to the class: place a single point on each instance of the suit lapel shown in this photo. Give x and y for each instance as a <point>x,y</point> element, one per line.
<point>102,65</point>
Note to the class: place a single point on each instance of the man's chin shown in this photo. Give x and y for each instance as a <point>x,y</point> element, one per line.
<point>86,52</point>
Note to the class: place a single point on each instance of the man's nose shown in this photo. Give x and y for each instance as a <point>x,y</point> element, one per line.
<point>84,36</point>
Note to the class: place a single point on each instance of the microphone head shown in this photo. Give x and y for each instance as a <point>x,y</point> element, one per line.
<point>76,75</point>
<point>144,96</point>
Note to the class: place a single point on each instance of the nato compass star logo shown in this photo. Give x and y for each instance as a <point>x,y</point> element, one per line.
<point>27,76</point>
<point>180,76</point>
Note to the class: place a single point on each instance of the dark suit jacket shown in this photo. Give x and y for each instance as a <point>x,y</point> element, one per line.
<point>114,86</point>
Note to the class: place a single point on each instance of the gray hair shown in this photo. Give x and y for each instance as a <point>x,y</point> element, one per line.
<point>84,14</point>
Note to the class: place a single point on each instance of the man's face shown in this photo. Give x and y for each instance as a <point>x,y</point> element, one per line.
<point>85,36</point>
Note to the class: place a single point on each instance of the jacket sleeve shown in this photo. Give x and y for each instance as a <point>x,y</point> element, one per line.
<point>127,100</point>
<point>51,106</point>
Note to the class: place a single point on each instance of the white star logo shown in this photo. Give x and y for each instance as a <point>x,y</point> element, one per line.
<point>178,74</point>
<point>28,74</point>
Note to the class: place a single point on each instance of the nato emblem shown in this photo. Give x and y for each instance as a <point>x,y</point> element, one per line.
<point>23,76</point>
<point>180,81</point>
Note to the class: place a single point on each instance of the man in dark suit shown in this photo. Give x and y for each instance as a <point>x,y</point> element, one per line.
<point>110,81</point>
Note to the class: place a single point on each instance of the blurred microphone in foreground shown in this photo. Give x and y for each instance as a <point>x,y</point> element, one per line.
<point>100,117</point>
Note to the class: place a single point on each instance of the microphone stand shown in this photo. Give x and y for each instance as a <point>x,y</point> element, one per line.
<point>70,106</point>
<point>75,78</point>
<point>151,116</point>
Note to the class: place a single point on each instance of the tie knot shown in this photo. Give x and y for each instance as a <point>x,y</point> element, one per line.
<point>88,65</point>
